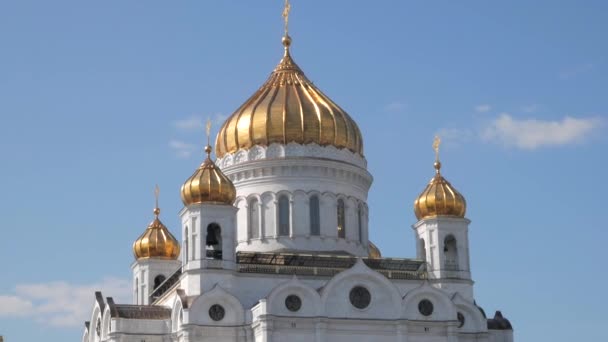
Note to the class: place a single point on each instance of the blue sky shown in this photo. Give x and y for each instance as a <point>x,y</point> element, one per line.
<point>102,100</point>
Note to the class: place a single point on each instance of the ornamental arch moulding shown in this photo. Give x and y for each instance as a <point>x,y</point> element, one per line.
<point>474,321</point>
<point>310,299</point>
<point>199,312</point>
<point>442,307</point>
<point>385,300</point>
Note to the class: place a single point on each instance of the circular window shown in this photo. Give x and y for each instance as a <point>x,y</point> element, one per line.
<point>425,307</point>
<point>460,317</point>
<point>360,297</point>
<point>217,312</point>
<point>293,303</point>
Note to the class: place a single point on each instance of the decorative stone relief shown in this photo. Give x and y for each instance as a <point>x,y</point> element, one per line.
<point>292,150</point>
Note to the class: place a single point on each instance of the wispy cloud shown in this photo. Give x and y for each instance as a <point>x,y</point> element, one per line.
<point>530,134</point>
<point>196,123</point>
<point>60,303</point>
<point>576,71</point>
<point>455,136</point>
<point>182,149</point>
<point>483,108</point>
<point>532,108</point>
<point>395,107</point>
<point>193,123</point>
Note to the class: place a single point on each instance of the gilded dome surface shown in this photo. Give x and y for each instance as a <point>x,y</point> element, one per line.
<point>288,108</point>
<point>439,198</point>
<point>374,251</point>
<point>156,242</point>
<point>208,185</point>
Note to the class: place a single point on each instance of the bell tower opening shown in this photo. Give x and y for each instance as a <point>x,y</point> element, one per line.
<point>214,241</point>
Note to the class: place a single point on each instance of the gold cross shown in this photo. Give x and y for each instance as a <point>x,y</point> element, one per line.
<point>436,143</point>
<point>208,129</point>
<point>156,194</point>
<point>286,10</point>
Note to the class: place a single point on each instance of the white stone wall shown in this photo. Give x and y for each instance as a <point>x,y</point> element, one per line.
<point>299,172</point>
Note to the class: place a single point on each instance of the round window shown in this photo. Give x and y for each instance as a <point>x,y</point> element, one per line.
<point>425,307</point>
<point>293,303</point>
<point>217,312</point>
<point>360,297</point>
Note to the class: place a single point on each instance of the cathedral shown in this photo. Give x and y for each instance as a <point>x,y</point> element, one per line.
<point>273,243</point>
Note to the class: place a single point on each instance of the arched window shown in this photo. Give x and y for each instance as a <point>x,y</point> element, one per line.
<point>450,253</point>
<point>341,219</point>
<point>214,241</point>
<point>136,290</point>
<point>283,216</point>
<point>360,217</point>
<point>159,279</point>
<point>186,255</point>
<point>315,220</point>
<point>254,218</point>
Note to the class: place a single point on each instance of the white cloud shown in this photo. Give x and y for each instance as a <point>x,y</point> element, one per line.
<point>60,303</point>
<point>575,71</point>
<point>14,306</point>
<point>182,149</point>
<point>483,108</point>
<point>395,107</point>
<point>530,134</point>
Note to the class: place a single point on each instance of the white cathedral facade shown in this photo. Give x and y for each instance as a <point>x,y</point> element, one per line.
<point>274,245</point>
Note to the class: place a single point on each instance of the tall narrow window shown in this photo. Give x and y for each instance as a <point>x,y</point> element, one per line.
<point>254,218</point>
<point>360,221</point>
<point>214,241</point>
<point>315,220</point>
<point>450,252</point>
<point>422,250</point>
<point>186,238</point>
<point>283,216</point>
<point>341,219</point>
<point>136,290</point>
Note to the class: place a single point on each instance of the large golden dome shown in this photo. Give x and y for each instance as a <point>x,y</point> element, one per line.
<point>156,242</point>
<point>208,185</point>
<point>288,108</point>
<point>439,198</point>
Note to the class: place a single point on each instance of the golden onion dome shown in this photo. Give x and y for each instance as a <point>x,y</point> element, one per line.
<point>439,198</point>
<point>374,251</point>
<point>208,185</point>
<point>156,242</point>
<point>288,108</point>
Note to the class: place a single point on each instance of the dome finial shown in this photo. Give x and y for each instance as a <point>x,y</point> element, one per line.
<point>286,38</point>
<point>156,195</point>
<point>208,147</point>
<point>436,143</point>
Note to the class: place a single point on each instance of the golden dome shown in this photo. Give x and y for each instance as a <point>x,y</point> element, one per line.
<point>374,251</point>
<point>288,108</point>
<point>208,185</point>
<point>439,198</point>
<point>156,242</point>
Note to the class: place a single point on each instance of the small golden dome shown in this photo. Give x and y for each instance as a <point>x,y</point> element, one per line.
<point>208,185</point>
<point>439,198</point>
<point>156,242</point>
<point>288,108</point>
<point>374,251</point>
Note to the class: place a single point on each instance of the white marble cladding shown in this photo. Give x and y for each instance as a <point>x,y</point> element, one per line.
<point>299,177</point>
<point>274,151</point>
